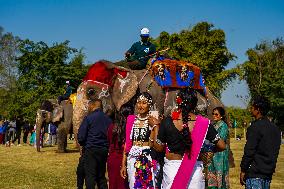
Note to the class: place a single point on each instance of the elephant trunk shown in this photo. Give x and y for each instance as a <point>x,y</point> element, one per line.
<point>76,140</point>
<point>80,109</point>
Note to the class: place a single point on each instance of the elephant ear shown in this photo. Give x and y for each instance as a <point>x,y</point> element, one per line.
<point>124,89</point>
<point>57,113</point>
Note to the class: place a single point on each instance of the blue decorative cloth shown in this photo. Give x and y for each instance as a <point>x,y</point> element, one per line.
<point>188,82</point>
<point>166,81</point>
<point>170,73</point>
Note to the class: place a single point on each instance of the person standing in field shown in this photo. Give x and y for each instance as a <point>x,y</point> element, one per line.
<point>261,149</point>
<point>218,168</point>
<point>116,137</point>
<point>92,136</point>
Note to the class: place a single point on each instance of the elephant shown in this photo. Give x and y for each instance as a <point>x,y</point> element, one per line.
<point>51,111</point>
<point>116,85</point>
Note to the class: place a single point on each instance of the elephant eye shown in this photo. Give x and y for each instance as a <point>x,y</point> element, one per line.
<point>91,92</point>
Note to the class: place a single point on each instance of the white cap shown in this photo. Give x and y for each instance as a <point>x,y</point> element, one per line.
<point>145,32</point>
<point>67,82</point>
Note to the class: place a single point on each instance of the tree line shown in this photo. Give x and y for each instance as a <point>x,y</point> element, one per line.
<point>33,71</point>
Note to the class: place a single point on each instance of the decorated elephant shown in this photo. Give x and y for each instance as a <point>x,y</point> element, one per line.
<point>116,85</point>
<point>51,111</point>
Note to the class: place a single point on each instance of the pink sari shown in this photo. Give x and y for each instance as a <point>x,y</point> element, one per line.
<point>185,171</point>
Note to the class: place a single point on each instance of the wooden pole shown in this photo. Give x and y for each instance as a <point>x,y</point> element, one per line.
<point>235,133</point>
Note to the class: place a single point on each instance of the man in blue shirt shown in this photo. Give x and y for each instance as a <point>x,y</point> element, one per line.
<point>138,55</point>
<point>68,92</point>
<point>92,136</point>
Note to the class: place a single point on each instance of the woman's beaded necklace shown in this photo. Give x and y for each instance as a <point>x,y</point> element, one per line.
<point>136,131</point>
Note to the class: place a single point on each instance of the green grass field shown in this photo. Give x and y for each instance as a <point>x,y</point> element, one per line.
<point>23,167</point>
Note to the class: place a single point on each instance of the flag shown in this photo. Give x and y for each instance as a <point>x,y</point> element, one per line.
<point>235,124</point>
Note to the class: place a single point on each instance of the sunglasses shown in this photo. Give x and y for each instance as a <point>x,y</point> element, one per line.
<point>215,114</point>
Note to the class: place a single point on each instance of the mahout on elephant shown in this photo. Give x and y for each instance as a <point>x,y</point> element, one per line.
<point>61,114</point>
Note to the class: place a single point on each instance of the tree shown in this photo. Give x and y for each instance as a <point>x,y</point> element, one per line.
<point>43,71</point>
<point>242,116</point>
<point>8,69</point>
<point>76,70</point>
<point>205,47</point>
<point>264,73</point>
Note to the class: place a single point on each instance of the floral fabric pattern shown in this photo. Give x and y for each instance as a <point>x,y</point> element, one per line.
<point>218,168</point>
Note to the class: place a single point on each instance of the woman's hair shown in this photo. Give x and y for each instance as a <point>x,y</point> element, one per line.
<point>221,111</point>
<point>187,104</point>
<point>262,104</point>
<point>145,96</point>
<point>120,118</point>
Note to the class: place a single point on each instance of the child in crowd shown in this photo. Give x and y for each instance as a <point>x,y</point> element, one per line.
<point>11,133</point>
<point>33,136</point>
<point>52,134</point>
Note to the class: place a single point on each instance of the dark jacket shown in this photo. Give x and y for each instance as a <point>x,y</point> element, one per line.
<point>140,52</point>
<point>261,149</point>
<point>68,91</point>
<point>93,130</point>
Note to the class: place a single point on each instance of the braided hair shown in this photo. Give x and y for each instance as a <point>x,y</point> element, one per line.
<point>188,102</point>
<point>118,132</point>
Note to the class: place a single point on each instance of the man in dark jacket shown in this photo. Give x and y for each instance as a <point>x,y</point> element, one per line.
<point>92,136</point>
<point>261,149</point>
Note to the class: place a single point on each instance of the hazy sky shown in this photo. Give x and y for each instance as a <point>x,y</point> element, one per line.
<point>105,29</point>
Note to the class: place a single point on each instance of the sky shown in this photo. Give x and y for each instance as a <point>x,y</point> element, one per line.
<point>105,29</point>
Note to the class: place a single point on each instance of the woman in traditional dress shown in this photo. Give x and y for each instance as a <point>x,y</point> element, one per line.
<point>137,163</point>
<point>181,136</point>
<point>218,168</point>
<point>116,138</point>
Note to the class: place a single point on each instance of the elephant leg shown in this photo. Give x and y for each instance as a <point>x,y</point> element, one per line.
<point>61,139</point>
<point>76,140</point>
